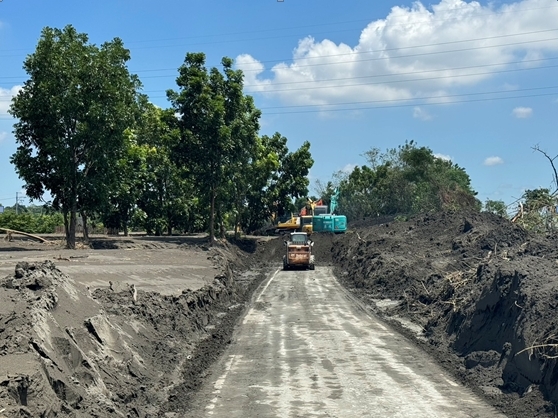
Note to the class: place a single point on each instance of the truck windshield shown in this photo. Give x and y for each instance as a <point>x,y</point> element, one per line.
<point>298,239</point>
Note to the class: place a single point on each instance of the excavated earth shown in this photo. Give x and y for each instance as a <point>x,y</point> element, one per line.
<point>477,292</point>
<point>70,350</point>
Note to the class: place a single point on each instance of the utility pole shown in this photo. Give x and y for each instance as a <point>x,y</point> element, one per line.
<point>17,201</point>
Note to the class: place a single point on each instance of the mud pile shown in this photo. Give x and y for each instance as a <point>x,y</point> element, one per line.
<point>118,351</point>
<point>477,291</point>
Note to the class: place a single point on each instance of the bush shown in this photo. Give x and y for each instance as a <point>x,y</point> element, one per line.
<point>32,224</point>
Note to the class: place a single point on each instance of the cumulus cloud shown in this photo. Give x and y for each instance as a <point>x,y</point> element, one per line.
<point>442,157</point>
<point>6,98</point>
<point>420,113</point>
<point>522,112</point>
<point>414,52</point>
<point>490,161</point>
<point>348,168</point>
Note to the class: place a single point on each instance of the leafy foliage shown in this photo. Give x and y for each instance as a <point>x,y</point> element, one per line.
<point>30,223</point>
<point>496,207</point>
<point>537,211</point>
<point>73,111</point>
<point>405,180</point>
<point>103,151</point>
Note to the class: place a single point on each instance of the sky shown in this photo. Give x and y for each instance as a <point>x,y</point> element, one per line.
<point>476,82</point>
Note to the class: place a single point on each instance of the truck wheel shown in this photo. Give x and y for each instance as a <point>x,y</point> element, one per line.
<point>312,267</point>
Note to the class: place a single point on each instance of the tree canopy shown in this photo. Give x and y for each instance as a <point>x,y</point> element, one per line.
<point>405,180</point>
<point>72,113</point>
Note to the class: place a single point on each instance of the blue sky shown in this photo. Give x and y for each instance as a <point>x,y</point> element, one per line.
<point>474,81</point>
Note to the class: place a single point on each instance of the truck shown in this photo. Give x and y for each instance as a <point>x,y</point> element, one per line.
<point>298,252</point>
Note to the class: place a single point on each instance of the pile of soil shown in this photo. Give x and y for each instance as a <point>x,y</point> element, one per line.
<point>477,291</point>
<point>70,352</point>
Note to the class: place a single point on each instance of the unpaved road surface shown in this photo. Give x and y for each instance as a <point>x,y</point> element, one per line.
<point>307,349</point>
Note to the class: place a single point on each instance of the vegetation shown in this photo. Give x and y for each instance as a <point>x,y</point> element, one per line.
<point>537,211</point>
<point>72,113</point>
<point>403,181</point>
<point>496,207</point>
<point>88,137</point>
<point>31,219</point>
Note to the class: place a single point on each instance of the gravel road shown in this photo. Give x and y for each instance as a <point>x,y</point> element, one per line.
<point>307,349</point>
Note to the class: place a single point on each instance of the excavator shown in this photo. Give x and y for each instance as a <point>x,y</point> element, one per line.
<point>314,217</point>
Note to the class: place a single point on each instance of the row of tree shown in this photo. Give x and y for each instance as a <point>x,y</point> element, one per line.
<point>88,136</point>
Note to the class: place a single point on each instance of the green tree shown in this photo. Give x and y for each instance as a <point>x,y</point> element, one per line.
<point>405,180</point>
<point>166,194</point>
<point>259,201</point>
<point>538,211</point>
<point>72,113</point>
<point>217,124</point>
<point>290,181</point>
<point>496,207</point>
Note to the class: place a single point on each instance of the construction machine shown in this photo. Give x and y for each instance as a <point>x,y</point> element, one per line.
<point>298,252</point>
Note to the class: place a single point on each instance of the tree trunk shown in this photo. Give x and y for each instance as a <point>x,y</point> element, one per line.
<point>212,217</point>
<point>237,221</point>
<point>85,228</point>
<point>71,243</point>
<point>66,227</point>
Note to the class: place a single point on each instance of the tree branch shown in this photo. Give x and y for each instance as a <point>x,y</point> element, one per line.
<point>551,160</point>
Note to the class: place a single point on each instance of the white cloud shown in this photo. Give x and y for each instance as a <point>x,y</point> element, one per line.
<point>348,168</point>
<point>442,157</point>
<point>407,55</point>
<point>6,98</point>
<point>3,136</point>
<point>420,113</point>
<point>490,161</point>
<point>522,112</point>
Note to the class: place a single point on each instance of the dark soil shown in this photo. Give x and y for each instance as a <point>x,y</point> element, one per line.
<point>483,291</point>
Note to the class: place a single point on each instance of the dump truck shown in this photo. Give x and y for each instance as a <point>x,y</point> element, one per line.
<point>298,252</point>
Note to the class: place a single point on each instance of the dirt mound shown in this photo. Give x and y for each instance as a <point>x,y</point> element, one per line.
<point>118,351</point>
<point>482,292</point>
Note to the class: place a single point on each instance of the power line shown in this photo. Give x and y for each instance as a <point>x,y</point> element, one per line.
<point>503,12</point>
<point>414,104</point>
<point>410,104</point>
<point>357,53</point>
<point>420,54</point>
<point>415,98</point>
<point>385,82</point>
<point>420,46</point>
<point>401,74</point>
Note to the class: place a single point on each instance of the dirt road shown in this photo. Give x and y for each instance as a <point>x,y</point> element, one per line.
<point>305,348</point>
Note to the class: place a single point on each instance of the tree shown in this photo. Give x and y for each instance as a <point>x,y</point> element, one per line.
<point>405,180</point>
<point>217,123</point>
<point>496,207</point>
<point>166,195</point>
<point>290,181</point>
<point>73,111</point>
